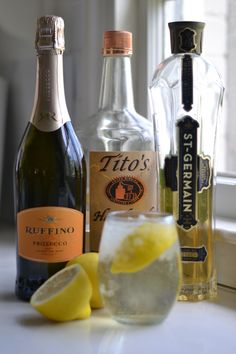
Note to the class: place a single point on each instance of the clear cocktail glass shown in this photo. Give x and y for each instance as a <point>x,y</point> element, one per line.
<point>139,266</point>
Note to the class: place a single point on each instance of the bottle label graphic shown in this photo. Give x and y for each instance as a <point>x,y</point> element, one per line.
<point>187,171</point>
<point>194,172</point>
<point>50,234</point>
<point>194,254</point>
<point>118,181</point>
<point>125,190</point>
<point>187,40</point>
<point>187,82</point>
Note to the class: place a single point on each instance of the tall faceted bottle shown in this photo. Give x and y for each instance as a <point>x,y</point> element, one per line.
<point>186,94</point>
<point>119,142</point>
<point>50,172</point>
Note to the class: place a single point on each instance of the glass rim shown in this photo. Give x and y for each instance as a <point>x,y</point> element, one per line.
<point>137,215</point>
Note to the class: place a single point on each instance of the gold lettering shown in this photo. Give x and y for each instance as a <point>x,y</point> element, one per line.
<point>187,208</point>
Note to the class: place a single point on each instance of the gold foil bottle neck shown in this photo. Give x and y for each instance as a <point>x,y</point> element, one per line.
<point>117,43</point>
<point>50,34</point>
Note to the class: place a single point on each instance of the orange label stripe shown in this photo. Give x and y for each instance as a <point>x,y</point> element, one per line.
<point>50,234</point>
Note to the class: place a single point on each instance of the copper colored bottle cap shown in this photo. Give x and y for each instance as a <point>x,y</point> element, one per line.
<point>117,43</point>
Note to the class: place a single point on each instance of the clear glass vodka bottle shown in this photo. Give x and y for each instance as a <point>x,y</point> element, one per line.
<point>118,142</point>
<point>186,95</point>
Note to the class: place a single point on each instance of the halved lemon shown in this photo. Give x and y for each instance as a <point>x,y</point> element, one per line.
<point>65,296</point>
<point>89,261</point>
<point>144,245</point>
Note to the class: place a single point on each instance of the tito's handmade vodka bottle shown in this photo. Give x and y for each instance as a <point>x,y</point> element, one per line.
<point>186,95</point>
<point>119,142</point>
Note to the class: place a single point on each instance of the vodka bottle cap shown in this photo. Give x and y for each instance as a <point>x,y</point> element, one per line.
<point>117,43</point>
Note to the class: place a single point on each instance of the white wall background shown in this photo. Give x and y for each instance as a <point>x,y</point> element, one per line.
<point>231,83</point>
<point>85,21</point>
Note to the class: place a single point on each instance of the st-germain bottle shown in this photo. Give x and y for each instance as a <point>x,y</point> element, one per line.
<point>119,142</point>
<point>186,95</point>
<point>50,172</point>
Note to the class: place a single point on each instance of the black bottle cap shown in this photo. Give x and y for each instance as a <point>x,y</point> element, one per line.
<point>186,37</point>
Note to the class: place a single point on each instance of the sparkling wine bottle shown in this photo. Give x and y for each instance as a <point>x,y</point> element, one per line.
<point>118,143</point>
<point>186,95</point>
<point>50,172</point>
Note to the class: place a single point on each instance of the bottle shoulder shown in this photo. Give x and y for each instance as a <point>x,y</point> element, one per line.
<point>168,72</point>
<point>117,131</point>
<point>43,147</point>
<point>117,120</point>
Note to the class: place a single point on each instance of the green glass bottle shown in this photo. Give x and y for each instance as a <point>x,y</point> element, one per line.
<point>50,172</point>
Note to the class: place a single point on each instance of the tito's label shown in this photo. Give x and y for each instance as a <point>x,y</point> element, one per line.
<point>50,234</point>
<point>120,181</point>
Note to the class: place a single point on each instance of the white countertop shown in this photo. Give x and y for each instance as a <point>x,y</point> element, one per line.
<point>191,328</point>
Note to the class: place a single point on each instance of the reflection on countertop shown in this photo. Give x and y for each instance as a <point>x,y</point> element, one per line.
<point>196,328</point>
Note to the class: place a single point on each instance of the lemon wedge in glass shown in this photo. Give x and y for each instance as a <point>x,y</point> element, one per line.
<point>141,247</point>
<point>65,296</point>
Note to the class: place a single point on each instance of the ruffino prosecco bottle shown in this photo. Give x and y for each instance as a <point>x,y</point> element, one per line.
<point>50,172</point>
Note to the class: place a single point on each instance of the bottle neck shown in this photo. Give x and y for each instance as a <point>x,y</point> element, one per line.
<point>50,110</point>
<point>116,92</point>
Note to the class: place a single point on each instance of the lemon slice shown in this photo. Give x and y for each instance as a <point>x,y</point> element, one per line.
<point>141,247</point>
<point>65,296</point>
<point>89,261</point>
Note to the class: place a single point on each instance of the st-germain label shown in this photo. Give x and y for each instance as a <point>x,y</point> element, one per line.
<point>120,181</point>
<point>187,171</point>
